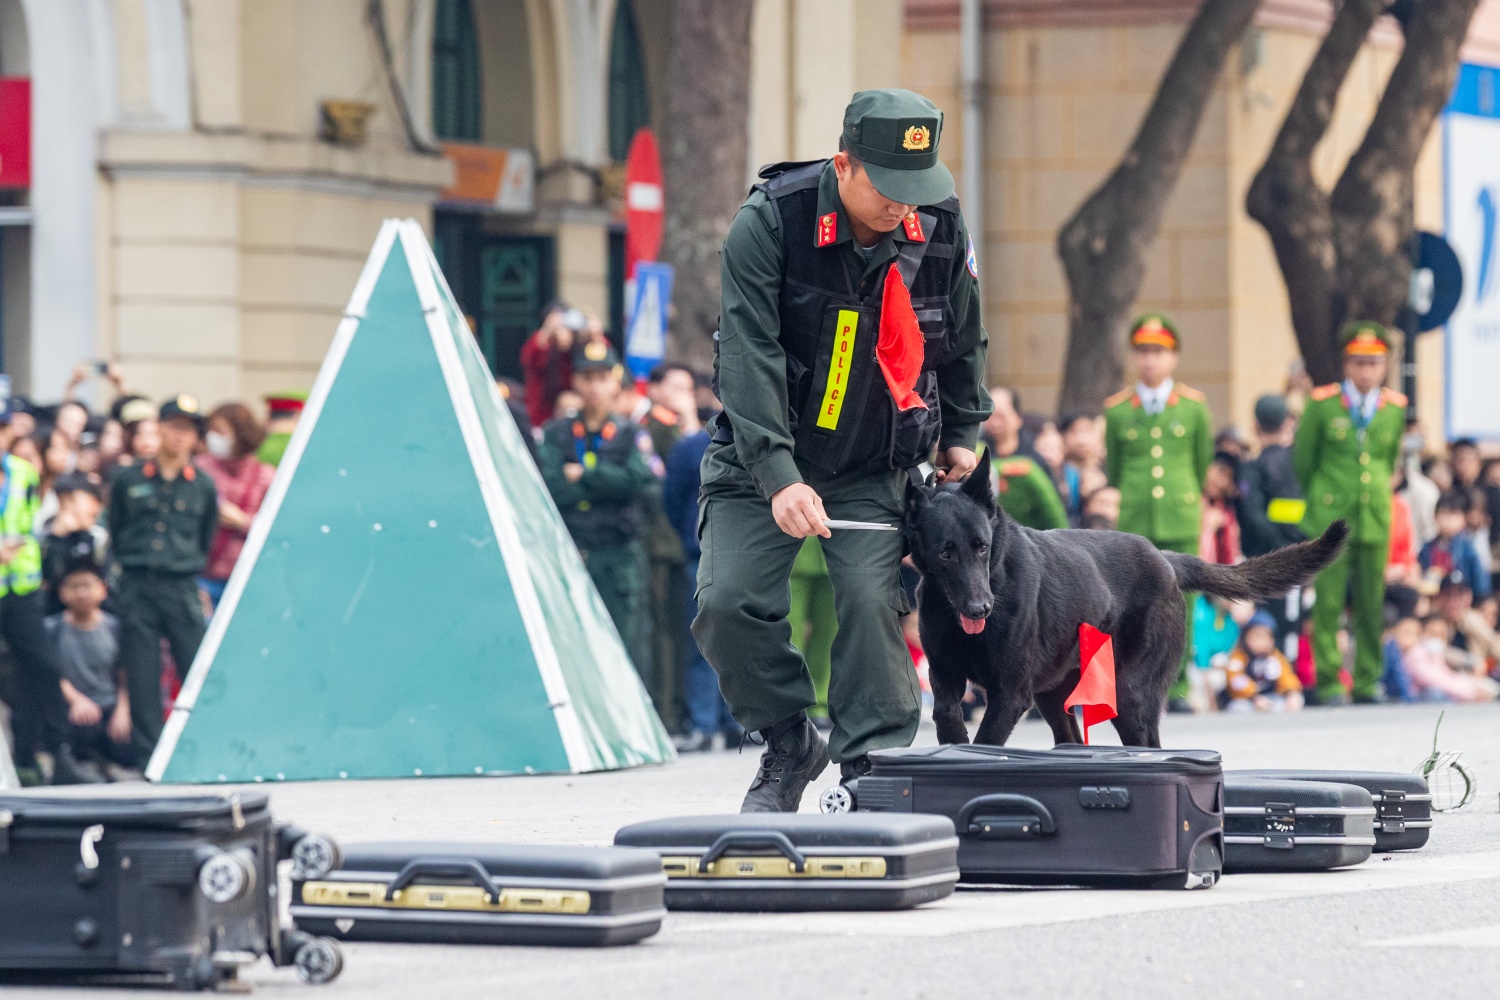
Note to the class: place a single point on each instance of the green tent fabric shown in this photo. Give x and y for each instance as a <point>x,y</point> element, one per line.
<point>408,601</point>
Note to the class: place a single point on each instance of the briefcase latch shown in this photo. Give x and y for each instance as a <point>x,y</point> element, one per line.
<point>1281,826</point>
<point>1091,797</point>
<point>1390,811</point>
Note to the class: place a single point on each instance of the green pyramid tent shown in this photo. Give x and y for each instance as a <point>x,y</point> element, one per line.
<point>408,601</point>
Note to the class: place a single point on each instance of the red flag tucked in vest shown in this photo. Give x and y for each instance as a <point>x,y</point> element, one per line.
<point>1094,697</point>
<point>899,349</point>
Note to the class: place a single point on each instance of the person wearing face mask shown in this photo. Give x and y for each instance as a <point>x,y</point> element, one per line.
<point>242,479</point>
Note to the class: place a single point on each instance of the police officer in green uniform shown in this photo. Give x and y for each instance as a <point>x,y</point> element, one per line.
<point>1026,493</point>
<point>595,468</point>
<point>162,518</point>
<point>812,429</point>
<point>1159,445</point>
<point>1346,448</point>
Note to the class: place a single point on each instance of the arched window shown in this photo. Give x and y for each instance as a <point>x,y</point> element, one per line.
<point>629,102</point>
<point>455,73</point>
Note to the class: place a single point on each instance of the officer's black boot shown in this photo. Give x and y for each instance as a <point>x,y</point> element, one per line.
<point>795,754</point>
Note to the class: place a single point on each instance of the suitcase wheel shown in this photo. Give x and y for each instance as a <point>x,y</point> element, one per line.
<point>319,961</point>
<point>225,877</point>
<point>314,856</point>
<point>836,799</point>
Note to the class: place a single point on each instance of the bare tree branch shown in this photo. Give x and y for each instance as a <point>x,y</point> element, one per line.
<point>705,152</point>
<point>1286,200</point>
<point>1103,246</point>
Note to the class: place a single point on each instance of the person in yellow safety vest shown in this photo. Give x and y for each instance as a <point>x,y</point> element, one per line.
<point>39,717</point>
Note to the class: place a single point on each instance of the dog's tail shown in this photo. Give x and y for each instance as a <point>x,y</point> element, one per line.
<point>1263,577</point>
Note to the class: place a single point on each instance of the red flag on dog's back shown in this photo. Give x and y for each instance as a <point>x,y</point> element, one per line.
<point>1094,698</point>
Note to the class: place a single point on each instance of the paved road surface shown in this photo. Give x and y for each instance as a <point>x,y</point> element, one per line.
<point>1423,924</point>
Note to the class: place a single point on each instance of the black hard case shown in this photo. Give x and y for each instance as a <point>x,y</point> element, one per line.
<point>472,893</point>
<point>1403,804</point>
<point>791,862</point>
<point>1281,825</point>
<point>108,886</point>
<point>1097,816</point>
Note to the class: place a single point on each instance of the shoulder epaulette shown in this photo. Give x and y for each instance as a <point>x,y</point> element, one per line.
<point>1188,392</point>
<point>1392,396</point>
<point>1323,392</point>
<point>1119,397</point>
<point>1015,467</point>
<point>664,415</point>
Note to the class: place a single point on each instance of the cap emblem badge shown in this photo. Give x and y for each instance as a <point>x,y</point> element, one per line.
<point>917,137</point>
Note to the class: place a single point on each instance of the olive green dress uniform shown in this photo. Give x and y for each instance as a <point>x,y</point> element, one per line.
<point>1158,463</point>
<point>161,530</point>
<point>604,512</point>
<point>1345,465</point>
<point>1026,493</point>
<point>760,445</point>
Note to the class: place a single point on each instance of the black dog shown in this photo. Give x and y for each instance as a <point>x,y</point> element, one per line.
<point>1000,604</point>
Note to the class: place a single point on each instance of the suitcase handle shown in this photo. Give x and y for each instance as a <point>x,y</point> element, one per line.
<point>1006,817</point>
<point>436,867</point>
<point>754,838</point>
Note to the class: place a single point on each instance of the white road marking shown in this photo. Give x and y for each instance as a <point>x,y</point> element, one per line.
<point>1469,937</point>
<point>973,910</point>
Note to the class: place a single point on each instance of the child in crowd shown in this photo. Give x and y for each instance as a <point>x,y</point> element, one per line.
<point>1452,551</point>
<point>1260,678</point>
<point>74,535</point>
<point>1423,646</point>
<point>87,639</point>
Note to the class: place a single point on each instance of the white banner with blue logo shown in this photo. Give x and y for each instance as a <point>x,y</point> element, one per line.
<point>646,330</point>
<point>1471,186</point>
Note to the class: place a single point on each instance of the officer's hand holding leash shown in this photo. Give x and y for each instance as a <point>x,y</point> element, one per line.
<point>954,464</point>
<point>798,511</point>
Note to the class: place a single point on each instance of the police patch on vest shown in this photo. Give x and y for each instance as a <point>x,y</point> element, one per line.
<point>970,260</point>
<point>838,370</point>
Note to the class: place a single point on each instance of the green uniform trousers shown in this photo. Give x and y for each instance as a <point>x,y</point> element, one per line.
<point>1180,687</point>
<point>744,599</point>
<point>155,606</point>
<point>620,573</point>
<point>814,618</point>
<point>668,595</point>
<point>1358,574</point>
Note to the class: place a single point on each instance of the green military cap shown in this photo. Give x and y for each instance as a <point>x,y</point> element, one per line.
<point>895,132</point>
<point>1365,338</point>
<point>1271,411</point>
<point>594,356</point>
<point>1154,329</point>
<point>183,407</point>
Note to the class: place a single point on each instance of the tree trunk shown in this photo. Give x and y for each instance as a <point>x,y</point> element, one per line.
<point>1343,256</point>
<point>1286,200</point>
<point>706,146</point>
<point>1103,246</point>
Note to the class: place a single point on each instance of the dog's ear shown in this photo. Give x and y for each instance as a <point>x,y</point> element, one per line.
<point>977,486</point>
<point>917,497</point>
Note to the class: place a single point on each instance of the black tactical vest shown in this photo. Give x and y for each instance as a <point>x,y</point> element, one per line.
<point>841,414</point>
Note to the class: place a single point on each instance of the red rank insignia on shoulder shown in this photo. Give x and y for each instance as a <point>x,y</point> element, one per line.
<point>914,228</point>
<point>828,229</point>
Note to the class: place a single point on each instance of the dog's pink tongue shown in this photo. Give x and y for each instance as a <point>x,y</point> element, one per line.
<point>973,626</point>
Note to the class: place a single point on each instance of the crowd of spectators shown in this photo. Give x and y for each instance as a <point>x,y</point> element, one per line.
<point>118,532</point>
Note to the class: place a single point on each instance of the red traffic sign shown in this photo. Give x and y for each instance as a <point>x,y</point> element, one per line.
<point>644,201</point>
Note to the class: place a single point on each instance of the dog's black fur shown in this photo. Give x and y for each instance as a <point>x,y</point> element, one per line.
<point>1034,588</point>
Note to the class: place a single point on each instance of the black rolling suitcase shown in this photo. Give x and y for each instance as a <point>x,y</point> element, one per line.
<point>1281,825</point>
<point>1096,816</point>
<point>790,862</point>
<point>181,888</point>
<point>1403,805</point>
<point>485,894</point>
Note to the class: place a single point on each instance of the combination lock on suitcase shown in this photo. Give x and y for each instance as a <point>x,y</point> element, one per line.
<point>1094,816</point>
<point>182,888</point>
<point>788,862</point>
<point>485,894</point>
<point>1403,804</point>
<point>1280,825</point>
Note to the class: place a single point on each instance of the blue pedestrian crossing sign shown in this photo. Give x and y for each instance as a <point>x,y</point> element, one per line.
<point>646,332</point>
